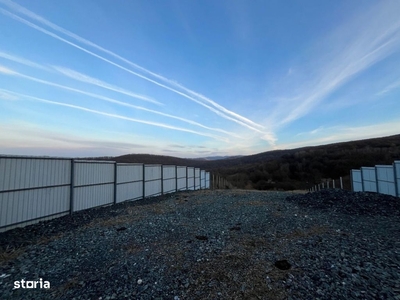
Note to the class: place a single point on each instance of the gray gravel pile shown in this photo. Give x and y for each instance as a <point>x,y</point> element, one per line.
<point>343,201</point>
<point>213,245</point>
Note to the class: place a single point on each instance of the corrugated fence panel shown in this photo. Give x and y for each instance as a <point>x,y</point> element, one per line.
<point>129,191</point>
<point>152,188</point>
<point>197,178</point>
<point>190,178</point>
<point>181,171</point>
<point>169,180</point>
<point>129,182</point>
<point>37,188</point>
<point>93,195</point>
<point>202,179</point>
<point>181,184</point>
<point>93,184</point>
<point>368,175</point>
<point>385,179</point>
<point>152,172</point>
<point>168,172</point>
<point>181,181</point>
<point>24,173</point>
<point>396,166</point>
<point>91,173</point>
<point>207,180</point>
<point>27,205</point>
<point>129,172</point>
<point>152,176</point>
<point>32,189</point>
<point>356,180</point>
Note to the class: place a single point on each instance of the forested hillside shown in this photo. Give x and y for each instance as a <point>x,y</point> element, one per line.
<point>304,167</point>
<point>299,168</point>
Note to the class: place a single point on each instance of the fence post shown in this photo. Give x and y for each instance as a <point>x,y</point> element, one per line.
<point>162,180</point>
<point>341,183</point>
<point>376,179</point>
<point>144,181</point>
<point>71,196</point>
<point>176,179</point>
<point>187,179</point>
<point>333,183</point>
<point>396,186</point>
<point>115,183</point>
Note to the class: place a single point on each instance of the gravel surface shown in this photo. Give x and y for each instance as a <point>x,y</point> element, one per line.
<point>227,244</point>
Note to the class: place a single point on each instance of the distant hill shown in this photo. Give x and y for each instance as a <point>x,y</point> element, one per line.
<point>304,167</point>
<point>218,157</point>
<point>298,168</point>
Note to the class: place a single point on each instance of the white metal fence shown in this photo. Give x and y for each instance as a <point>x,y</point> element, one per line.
<point>33,189</point>
<point>384,179</point>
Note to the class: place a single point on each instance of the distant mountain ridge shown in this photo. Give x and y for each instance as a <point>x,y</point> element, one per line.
<point>218,157</point>
<point>298,168</point>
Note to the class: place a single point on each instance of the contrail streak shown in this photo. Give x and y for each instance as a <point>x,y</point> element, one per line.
<point>242,120</point>
<point>11,72</point>
<point>78,76</point>
<point>162,125</point>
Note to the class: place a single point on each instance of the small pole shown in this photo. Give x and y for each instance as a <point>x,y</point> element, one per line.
<point>71,196</point>
<point>115,183</point>
<point>341,183</point>
<point>144,180</point>
<point>162,179</point>
<point>176,178</point>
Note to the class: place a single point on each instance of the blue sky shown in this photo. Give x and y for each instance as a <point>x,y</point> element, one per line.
<point>195,78</point>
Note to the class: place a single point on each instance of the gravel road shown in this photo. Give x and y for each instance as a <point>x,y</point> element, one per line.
<point>225,244</point>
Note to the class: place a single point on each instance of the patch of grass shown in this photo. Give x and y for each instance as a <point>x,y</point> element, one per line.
<point>131,215</point>
<point>10,253</point>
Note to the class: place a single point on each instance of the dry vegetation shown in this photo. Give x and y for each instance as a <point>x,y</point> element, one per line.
<point>291,169</point>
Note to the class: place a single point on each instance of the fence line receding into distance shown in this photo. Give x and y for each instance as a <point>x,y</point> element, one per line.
<point>34,189</point>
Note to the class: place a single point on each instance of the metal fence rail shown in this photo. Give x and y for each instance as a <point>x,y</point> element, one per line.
<point>33,189</point>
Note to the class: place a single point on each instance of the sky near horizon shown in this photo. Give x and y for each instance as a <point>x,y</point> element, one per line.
<point>195,78</point>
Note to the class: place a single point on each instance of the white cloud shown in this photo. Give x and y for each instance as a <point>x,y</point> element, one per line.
<point>23,61</point>
<point>188,121</point>
<point>349,51</point>
<point>338,134</point>
<point>7,96</point>
<point>5,70</point>
<point>395,85</point>
<point>156,124</point>
<point>87,79</point>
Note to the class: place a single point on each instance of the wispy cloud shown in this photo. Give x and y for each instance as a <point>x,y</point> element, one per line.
<point>23,61</point>
<point>26,138</point>
<point>7,96</point>
<point>337,134</point>
<point>347,52</point>
<point>187,93</point>
<point>5,70</point>
<point>88,79</point>
<point>157,124</point>
<point>312,132</point>
<point>395,85</point>
<point>104,98</point>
